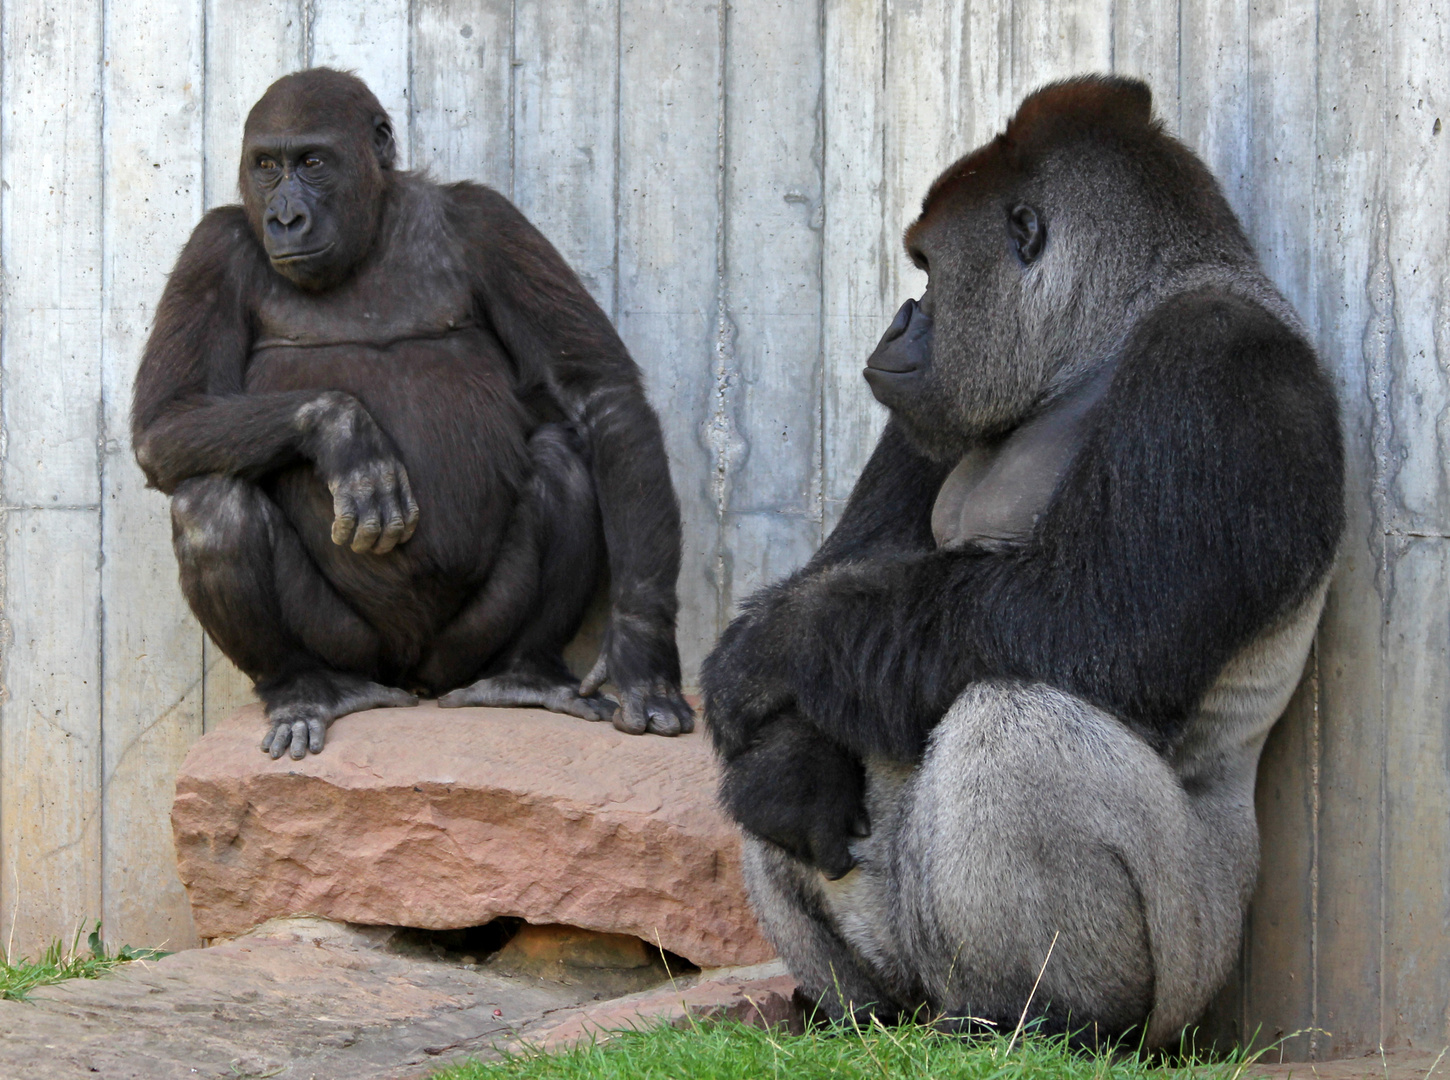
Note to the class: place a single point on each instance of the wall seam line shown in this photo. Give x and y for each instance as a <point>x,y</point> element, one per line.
<point>101,433</point>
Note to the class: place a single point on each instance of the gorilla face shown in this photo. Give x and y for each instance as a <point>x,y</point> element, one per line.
<point>966,362</point>
<point>312,178</point>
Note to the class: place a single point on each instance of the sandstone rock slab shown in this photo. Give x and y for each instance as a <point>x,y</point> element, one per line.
<point>762,995</point>
<point>296,998</point>
<point>448,818</point>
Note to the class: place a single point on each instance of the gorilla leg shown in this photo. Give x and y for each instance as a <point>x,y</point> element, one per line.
<point>555,563</point>
<point>256,592</point>
<point>1034,823</point>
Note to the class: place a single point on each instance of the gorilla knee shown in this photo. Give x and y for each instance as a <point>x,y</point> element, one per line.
<point>212,518</point>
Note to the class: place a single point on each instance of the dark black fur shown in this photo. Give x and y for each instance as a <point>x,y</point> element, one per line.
<point>1205,502</point>
<point>404,442</point>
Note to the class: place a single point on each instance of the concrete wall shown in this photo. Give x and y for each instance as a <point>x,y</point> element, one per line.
<point>731,182</point>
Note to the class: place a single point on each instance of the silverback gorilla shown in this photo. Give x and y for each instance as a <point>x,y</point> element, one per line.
<point>402,442</point>
<point>1018,696</point>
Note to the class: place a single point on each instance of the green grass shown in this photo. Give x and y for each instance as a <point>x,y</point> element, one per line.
<point>19,977</point>
<point>721,1050</point>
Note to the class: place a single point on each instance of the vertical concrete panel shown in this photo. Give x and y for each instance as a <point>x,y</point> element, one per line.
<point>50,728</point>
<point>1417,174</point>
<point>669,285</point>
<point>566,55</point>
<point>152,658</point>
<point>1213,100</point>
<point>1417,796</point>
<point>859,243</point>
<point>771,397</point>
<point>50,242</point>
<point>462,90</point>
<point>51,251</point>
<point>1053,39</point>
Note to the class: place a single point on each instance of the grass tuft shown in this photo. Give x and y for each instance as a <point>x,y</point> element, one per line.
<point>716,1050</point>
<point>57,964</point>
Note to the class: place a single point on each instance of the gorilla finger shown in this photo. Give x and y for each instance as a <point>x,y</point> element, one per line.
<point>603,707</point>
<point>662,719</point>
<point>583,708</point>
<point>316,734</point>
<point>410,505</point>
<point>596,677</point>
<point>393,697</point>
<point>281,736</point>
<point>299,739</point>
<point>457,699</point>
<point>369,528</point>
<point>344,517</point>
<point>684,713</point>
<point>631,717</point>
<point>393,525</point>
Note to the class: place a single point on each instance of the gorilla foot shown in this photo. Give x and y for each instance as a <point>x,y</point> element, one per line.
<point>518,690</point>
<point>300,708</point>
<point>657,708</point>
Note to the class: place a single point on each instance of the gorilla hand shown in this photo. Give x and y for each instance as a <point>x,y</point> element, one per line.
<point>801,791</point>
<point>372,502</point>
<point>644,667</point>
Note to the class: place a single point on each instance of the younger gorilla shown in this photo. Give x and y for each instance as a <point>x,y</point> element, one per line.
<point>402,441</point>
<point>1018,697</point>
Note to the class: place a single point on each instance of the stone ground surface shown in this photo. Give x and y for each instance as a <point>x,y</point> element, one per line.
<point>1395,1065</point>
<point>445,818</point>
<point>305,999</point>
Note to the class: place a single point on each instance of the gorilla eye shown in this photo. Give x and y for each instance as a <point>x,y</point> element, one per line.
<point>266,164</point>
<point>312,161</point>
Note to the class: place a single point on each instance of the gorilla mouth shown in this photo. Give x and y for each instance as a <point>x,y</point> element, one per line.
<point>905,348</point>
<point>298,256</point>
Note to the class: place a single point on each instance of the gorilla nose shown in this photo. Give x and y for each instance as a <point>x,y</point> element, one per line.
<point>287,220</point>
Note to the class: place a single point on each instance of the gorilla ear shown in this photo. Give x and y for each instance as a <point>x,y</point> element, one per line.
<point>1028,232</point>
<point>383,141</point>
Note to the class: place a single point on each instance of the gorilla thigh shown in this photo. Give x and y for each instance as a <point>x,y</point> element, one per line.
<point>264,600</point>
<point>1035,822</point>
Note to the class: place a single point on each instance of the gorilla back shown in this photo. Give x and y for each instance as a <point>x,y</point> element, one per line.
<point>402,441</point>
<point>1015,704</point>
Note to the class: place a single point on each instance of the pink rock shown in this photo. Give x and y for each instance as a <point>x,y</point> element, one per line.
<point>446,818</point>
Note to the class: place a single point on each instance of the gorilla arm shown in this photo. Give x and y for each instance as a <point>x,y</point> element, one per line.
<point>191,415</point>
<point>793,783</point>
<point>560,338</point>
<point>1204,504</point>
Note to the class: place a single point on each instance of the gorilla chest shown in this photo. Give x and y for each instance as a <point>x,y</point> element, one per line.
<point>381,306</point>
<point>997,493</point>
